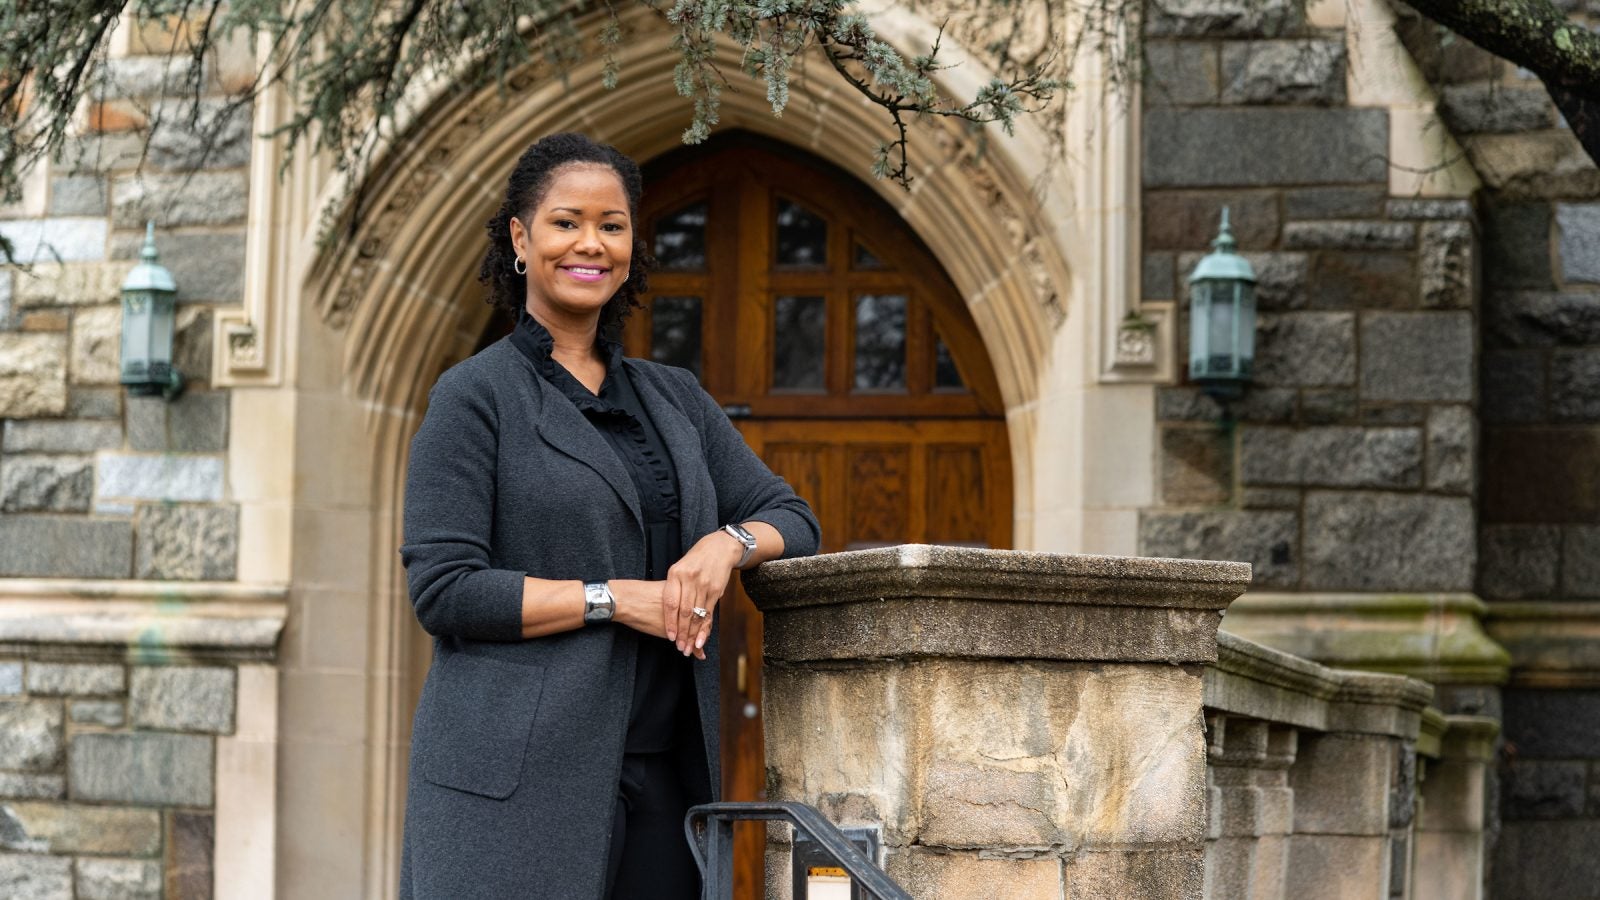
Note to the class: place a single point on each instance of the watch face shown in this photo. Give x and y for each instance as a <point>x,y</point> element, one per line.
<point>598,604</point>
<point>743,535</point>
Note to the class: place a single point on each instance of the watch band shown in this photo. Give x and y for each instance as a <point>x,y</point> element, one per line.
<point>598,603</point>
<point>740,534</point>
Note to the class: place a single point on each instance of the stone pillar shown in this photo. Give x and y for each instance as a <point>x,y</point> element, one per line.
<point>1013,724</point>
<point>1449,835</point>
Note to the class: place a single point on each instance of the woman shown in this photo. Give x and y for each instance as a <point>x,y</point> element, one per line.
<point>565,547</point>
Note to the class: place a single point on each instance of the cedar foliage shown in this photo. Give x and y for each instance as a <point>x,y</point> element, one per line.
<point>349,64</point>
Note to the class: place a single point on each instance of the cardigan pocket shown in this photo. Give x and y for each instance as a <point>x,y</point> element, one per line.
<point>474,722</point>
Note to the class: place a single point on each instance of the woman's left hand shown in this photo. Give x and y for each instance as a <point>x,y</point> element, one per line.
<point>698,580</point>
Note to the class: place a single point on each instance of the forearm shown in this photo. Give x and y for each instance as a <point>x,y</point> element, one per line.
<point>551,607</point>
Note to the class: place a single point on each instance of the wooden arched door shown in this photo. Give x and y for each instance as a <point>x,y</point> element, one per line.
<point>846,358</point>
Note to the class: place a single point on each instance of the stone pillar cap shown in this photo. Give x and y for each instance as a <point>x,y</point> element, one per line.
<point>921,600</point>
<point>969,573</point>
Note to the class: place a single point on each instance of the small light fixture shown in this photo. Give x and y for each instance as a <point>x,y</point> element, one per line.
<point>149,314</point>
<point>1222,319</point>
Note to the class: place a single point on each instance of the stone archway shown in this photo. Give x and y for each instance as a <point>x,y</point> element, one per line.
<point>382,316</point>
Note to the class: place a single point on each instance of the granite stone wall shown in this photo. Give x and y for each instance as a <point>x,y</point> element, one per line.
<point>107,777</point>
<point>95,483</point>
<point>1349,464</point>
<point>1539,538</point>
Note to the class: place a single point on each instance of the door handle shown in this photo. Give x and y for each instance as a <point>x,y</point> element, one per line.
<point>737,410</point>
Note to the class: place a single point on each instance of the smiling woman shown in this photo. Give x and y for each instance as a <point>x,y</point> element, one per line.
<point>572,519</point>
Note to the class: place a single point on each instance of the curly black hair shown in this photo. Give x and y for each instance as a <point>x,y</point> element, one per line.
<point>529,182</point>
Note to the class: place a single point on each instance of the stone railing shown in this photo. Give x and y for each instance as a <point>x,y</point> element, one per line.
<point>1031,725</point>
<point>1314,782</point>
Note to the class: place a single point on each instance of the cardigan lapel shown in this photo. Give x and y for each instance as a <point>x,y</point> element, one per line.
<point>682,439</point>
<point>563,427</point>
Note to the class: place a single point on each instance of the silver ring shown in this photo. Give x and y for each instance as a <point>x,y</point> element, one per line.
<point>700,611</point>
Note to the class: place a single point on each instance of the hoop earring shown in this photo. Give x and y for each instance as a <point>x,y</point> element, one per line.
<point>519,267</point>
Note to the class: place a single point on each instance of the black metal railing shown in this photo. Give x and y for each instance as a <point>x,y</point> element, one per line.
<point>710,831</point>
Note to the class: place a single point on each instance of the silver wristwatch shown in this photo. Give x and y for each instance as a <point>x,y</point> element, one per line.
<point>738,533</point>
<point>598,604</point>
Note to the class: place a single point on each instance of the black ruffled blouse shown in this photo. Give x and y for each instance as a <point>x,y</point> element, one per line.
<point>662,675</point>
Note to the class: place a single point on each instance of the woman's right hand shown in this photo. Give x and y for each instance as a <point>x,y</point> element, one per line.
<point>640,607</point>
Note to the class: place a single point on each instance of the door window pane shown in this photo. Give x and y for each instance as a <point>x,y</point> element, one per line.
<point>802,236</point>
<point>675,332</point>
<point>945,374</point>
<point>866,260</point>
<point>681,238</point>
<point>881,342</point>
<point>798,328</point>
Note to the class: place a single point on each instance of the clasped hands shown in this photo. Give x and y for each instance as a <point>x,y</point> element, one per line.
<point>665,609</point>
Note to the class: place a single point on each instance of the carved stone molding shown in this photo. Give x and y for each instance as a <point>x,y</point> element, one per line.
<point>1437,637</point>
<point>1553,644</point>
<point>147,621</point>
<point>459,129</point>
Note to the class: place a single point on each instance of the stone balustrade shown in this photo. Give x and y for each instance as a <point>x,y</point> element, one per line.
<point>1031,725</point>
<point>1315,777</point>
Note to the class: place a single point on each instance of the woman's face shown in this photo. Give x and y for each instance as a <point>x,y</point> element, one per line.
<point>577,244</point>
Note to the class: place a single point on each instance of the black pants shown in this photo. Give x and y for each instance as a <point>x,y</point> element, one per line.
<point>650,858</point>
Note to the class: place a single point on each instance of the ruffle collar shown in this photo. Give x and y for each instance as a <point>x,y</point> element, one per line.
<point>610,406</point>
<point>537,344</point>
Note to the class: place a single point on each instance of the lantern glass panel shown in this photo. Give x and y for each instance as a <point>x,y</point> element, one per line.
<point>1246,349</point>
<point>162,325</point>
<point>136,320</point>
<point>1222,338</point>
<point>1199,309</point>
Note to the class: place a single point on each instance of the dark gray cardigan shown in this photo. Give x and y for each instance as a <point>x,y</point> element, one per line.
<point>517,744</point>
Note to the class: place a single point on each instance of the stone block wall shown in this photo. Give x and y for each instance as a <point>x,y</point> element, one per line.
<point>1550,794</point>
<point>1540,373</point>
<point>1539,537</point>
<point>1512,134</point>
<point>107,776</point>
<point>1351,462</point>
<point>95,483</point>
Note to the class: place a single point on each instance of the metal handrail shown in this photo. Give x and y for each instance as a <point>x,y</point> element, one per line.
<point>709,828</point>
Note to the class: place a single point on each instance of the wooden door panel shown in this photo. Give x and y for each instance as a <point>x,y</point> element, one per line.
<point>957,498</point>
<point>880,496</point>
<point>810,469</point>
<point>941,481</point>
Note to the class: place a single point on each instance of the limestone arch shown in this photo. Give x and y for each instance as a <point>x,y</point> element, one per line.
<point>382,313</point>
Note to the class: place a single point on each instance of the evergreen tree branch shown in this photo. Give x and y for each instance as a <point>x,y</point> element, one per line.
<point>1539,37</point>
<point>348,88</point>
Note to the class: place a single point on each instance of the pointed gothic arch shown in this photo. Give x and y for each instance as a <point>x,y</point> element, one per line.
<point>383,313</point>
